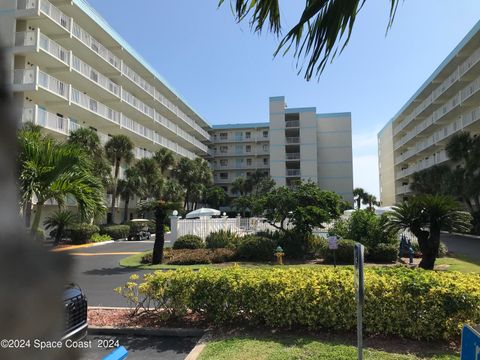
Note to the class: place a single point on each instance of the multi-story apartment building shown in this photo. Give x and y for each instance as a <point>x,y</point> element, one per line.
<point>416,137</point>
<point>70,69</point>
<point>296,144</point>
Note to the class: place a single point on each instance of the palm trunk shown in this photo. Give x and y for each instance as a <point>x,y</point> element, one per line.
<point>157,256</point>
<point>430,251</point>
<point>36,219</point>
<point>114,192</point>
<point>125,213</point>
<point>358,203</point>
<point>27,213</point>
<point>58,235</point>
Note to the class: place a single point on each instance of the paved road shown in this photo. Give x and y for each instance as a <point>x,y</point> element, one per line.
<point>463,245</point>
<point>141,347</point>
<point>97,272</point>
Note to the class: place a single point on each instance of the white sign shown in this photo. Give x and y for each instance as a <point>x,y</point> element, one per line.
<point>332,243</point>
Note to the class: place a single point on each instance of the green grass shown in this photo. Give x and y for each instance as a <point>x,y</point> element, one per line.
<point>303,348</point>
<point>459,263</point>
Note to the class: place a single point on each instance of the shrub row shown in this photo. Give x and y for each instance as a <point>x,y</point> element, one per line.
<point>116,231</point>
<point>193,256</point>
<point>409,303</point>
<point>189,242</point>
<point>82,233</point>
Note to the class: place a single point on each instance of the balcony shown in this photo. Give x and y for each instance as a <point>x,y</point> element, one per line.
<point>292,172</point>
<point>292,123</point>
<point>292,140</point>
<point>292,156</point>
<point>403,189</point>
<point>95,107</point>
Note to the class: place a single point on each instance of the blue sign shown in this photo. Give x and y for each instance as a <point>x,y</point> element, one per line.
<point>470,344</point>
<point>119,353</point>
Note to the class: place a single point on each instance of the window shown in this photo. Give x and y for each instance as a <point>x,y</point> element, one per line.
<point>265,147</point>
<point>265,161</point>
<point>224,162</point>
<point>248,148</point>
<point>248,135</point>
<point>224,176</point>
<point>249,162</point>
<point>223,136</point>
<point>265,134</point>
<point>224,149</point>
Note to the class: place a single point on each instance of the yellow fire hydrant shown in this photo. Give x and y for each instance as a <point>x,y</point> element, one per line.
<point>279,254</point>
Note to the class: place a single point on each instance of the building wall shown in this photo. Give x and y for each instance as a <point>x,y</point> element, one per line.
<point>386,166</point>
<point>448,102</point>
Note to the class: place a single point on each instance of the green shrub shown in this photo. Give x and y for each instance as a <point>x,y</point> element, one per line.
<point>82,233</point>
<point>442,250</point>
<point>344,253</point>
<point>193,256</point>
<point>296,245</point>
<point>116,231</point>
<point>166,229</point>
<point>383,253</point>
<point>189,242</point>
<point>100,238</point>
<point>410,303</point>
<point>222,239</point>
<point>256,248</point>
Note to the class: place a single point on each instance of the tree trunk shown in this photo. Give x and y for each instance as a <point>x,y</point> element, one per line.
<point>157,256</point>
<point>430,251</point>
<point>358,203</point>
<point>114,191</point>
<point>58,235</point>
<point>36,219</point>
<point>125,213</point>
<point>27,213</point>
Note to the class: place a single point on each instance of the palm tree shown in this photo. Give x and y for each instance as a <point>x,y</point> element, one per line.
<point>128,187</point>
<point>215,196</point>
<point>194,176</point>
<point>118,149</point>
<point>318,32</point>
<point>370,200</point>
<point>88,140</point>
<point>425,216</point>
<point>165,159</point>
<point>360,196</point>
<point>59,222</point>
<point>240,185</point>
<point>52,170</point>
<point>433,180</point>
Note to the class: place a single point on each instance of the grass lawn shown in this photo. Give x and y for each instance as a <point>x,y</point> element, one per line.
<point>302,348</point>
<point>459,263</point>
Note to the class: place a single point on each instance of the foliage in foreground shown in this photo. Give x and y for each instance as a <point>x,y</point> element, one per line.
<point>193,256</point>
<point>398,301</point>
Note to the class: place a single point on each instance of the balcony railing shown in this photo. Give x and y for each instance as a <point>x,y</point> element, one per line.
<point>24,76</point>
<point>53,84</point>
<point>137,79</point>
<point>94,106</point>
<point>292,140</point>
<point>26,38</point>
<point>292,123</point>
<point>293,172</point>
<point>55,14</point>
<point>54,49</point>
<point>95,76</point>
<point>292,156</point>
<point>137,104</point>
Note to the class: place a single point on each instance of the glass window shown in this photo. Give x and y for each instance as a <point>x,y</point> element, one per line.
<point>248,135</point>
<point>265,134</point>
<point>248,148</point>
<point>224,175</point>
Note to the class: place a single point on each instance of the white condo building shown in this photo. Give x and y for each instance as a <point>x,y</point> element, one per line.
<point>69,69</point>
<point>416,137</point>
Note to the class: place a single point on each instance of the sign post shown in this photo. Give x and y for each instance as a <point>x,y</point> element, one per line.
<point>333,245</point>
<point>359,295</point>
<point>470,344</point>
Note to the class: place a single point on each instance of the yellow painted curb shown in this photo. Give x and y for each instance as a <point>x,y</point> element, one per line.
<point>73,247</point>
<point>103,254</point>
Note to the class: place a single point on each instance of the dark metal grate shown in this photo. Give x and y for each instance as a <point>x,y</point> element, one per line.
<point>76,312</point>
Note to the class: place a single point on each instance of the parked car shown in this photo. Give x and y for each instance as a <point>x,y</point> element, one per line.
<point>139,230</point>
<point>76,324</point>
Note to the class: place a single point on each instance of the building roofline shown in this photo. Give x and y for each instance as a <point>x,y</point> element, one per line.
<point>88,9</point>
<point>241,126</point>
<point>334,115</point>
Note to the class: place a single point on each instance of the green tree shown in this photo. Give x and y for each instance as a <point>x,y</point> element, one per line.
<point>243,203</point>
<point>165,158</point>
<point>194,176</point>
<point>240,185</point>
<point>370,200</point>
<point>118,149</point>
<point>59,222</point>
<point>215,196</point>
<point>52,170</point>
<point>128,187</point>
<point>317,35</point>
<point>259,183</point>
<point>360,196</point>
<point>88,140</point>
<point>425,216</point>
<point>433,180</point>
<point>306,206</point>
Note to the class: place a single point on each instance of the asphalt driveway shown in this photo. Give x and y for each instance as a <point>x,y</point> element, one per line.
<point>97,272</point>
<point>468,246</point>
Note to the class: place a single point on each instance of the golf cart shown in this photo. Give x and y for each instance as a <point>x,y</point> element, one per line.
<point>139,230</point>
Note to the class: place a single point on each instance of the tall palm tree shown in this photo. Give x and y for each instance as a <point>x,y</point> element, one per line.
<point>118,149</point>
<point>370,200</point>
<point>128,187</point>
<point>88,140</point>
<point>240,185</point>
<point>165,159</point>
<point>360,196</point>
<point>425,216</point>
<point>194,176</point>
<point>316,35</point>
<point>52,170</point>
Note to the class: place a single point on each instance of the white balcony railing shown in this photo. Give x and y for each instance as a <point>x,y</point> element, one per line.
<point>54,49</point>
<point>137,79</point>
<point>55,14</point>
<point>137,128</point>
<point>293,172</point>
<point>292,123</point>
<point>94,106</point>
<point>53,84</point>
<point>137,104</point>
<point>95,76</point>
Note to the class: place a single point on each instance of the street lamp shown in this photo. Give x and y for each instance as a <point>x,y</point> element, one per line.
<point>175,213</point>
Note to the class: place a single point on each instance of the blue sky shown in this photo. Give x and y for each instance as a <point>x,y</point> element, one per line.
<point>227,73</point>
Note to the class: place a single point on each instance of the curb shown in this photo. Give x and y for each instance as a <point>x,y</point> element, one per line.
<point>173,332</point>
<point>73,247</point>
<point>459,234</point>
<point>197,350</point>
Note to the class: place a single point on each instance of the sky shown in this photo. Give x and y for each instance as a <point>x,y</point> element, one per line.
<point>227,73</point>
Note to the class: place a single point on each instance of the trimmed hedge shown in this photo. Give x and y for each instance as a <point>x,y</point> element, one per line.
<point>193,256</point>
<point>256,248</point>
<point>116,231</point>
<point>96,238</point>
<point>222,239</point>
<point>82,233</point>
<point>189,242</point>
<point>411,303</point>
